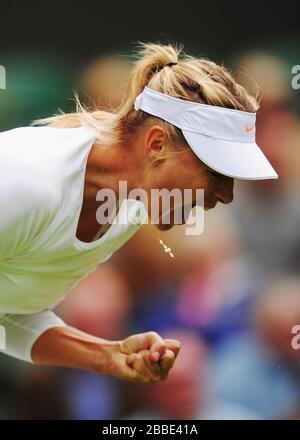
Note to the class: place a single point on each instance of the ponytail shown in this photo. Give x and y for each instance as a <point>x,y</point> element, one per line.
<point>160,68</point>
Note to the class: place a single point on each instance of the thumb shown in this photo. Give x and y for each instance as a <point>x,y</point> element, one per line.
<point>157,350</point>
<point>156,345</point>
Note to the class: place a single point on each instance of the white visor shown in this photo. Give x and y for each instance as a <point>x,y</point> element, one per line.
<point>222,138</point>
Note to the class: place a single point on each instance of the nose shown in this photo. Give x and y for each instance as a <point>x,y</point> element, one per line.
<point>224,192</point>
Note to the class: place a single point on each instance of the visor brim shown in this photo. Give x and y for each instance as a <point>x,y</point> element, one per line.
<point>239,160</point>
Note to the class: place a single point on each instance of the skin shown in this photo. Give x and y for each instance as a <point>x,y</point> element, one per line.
<point>134,162</point>
<point>144,357</point>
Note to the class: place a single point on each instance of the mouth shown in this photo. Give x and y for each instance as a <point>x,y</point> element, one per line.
<point>171,215</point>
<point>207,207</point>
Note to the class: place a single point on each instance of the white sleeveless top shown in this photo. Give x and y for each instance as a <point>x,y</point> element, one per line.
<point>42,171</point>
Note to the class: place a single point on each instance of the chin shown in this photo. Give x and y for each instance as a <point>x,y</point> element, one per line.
<point>209,207</point>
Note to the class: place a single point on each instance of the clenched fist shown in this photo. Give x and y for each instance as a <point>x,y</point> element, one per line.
<point>143,358</point>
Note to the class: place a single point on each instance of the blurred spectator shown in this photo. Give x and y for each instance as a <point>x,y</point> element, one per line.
<point>278,310</point>
<point>278,126</point>
<point>267,212</point>
<point>99,304</point>
<point>258,369</point>
<point>102,81</point>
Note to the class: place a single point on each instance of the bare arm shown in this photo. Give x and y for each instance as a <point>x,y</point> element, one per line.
<point>69,347</point>
<point>131,359</point>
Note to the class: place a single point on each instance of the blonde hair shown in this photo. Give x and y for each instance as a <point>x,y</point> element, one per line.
<point>167,69</point>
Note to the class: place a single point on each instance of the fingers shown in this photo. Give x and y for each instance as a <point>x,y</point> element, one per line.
<point>156,344</point>
<point>142,341</point>
<point>159,348</point>
<point>134,343</point>
<point>174,345</point>
<point>152,341</point>
<point>141,364</point>
<point>154,372</point>
<point>166,363</point>
<point>171,345</point>
<point>150,356</point>
<point>154,367</point>
<point>163,366</point>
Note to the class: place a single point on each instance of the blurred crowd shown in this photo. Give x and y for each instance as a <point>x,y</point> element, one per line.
<point>231,295</point>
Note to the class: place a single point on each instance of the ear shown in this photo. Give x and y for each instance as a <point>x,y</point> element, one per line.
<point>154,141</point>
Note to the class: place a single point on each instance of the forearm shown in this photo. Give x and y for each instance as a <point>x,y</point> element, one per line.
<point>69,347</point>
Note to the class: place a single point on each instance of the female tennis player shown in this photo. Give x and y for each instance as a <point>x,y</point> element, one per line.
<point>183,123</point>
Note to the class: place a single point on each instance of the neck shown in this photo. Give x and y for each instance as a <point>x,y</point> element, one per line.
<point>105,168</point>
